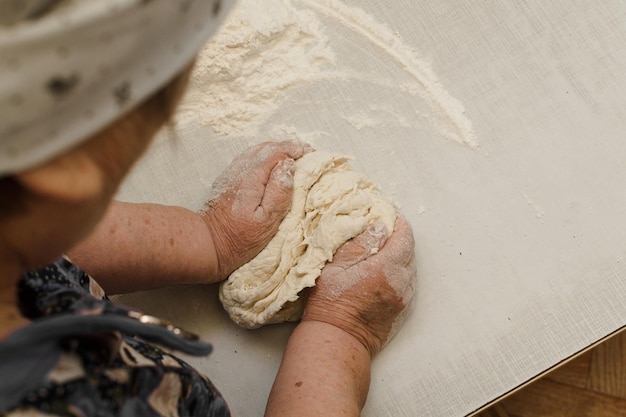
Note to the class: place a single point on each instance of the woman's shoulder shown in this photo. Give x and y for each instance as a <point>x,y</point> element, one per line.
<point>85,353</point>
<point>60,287</point>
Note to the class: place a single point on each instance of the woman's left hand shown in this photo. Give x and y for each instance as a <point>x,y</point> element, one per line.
<point>253,196</point>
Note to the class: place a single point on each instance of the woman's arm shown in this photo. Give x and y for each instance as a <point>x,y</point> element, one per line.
<point>358,303</point>
<point>144,246</point>
<point>324,372</point>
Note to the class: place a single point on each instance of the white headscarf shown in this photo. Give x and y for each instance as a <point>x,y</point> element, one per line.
<point>70,67</point>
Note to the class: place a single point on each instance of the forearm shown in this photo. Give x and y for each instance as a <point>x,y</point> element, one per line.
<point>144,246</point>
<point>324,372</point>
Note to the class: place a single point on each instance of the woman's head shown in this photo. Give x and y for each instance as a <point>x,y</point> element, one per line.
<point>49,207</point>
<point>71,129</point>
<point>70,68</point>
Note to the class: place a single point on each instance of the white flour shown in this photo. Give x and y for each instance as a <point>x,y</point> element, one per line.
<point>267,47</point>
<point>408,58</point>
<point>264,48</point>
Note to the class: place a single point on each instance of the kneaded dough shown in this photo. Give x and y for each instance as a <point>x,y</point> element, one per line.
<point>331,205</point>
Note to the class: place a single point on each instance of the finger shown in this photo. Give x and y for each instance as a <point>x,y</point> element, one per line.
<point>398,322</point>
<point>262,160</point>
<point>293,148</point>
<point>279,189</point>
<point>253,172</point>
<point>268,154</point>
<point>398,258</point>
<point>296,149</point>
<point>409,292</point>
<point>362,246</point>
<point>400,246</point>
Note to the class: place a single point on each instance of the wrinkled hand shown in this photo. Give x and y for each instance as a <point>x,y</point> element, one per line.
<point>368,287</point>
<point>252,196</point>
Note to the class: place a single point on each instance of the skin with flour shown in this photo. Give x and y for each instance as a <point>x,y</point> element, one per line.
<point>269,47</point>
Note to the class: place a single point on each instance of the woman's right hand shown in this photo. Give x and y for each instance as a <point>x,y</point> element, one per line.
<point>253,196</point>
<point>368,287</point>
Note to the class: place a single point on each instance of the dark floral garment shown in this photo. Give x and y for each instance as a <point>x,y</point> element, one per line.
<point>83,355</point>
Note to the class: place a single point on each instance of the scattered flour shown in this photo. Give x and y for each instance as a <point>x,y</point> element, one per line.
<point>360,121</point>
<point>264,48</point>
<point>539,213</point>
<point>289,132</point>
<point>408,58</point>
<point>267,47</point>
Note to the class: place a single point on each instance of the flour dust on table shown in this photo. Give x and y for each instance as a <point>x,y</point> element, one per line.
<point>268,48</point>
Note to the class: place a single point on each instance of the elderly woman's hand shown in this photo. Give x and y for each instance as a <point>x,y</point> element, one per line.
<point>253,196</point>
<point>368,287</point>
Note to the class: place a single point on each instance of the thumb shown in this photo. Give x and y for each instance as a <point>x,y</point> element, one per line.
<point>362,246</point>
<point>279,189</point>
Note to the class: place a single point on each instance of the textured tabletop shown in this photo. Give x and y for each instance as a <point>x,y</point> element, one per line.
<point>498,128</point>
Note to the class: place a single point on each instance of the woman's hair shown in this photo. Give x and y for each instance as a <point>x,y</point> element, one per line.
<point>147,118</point>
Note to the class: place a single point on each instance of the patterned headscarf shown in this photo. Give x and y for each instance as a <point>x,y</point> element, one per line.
<point>68,68</point>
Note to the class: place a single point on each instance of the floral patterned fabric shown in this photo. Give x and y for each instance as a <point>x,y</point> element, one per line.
<point>76,372</point>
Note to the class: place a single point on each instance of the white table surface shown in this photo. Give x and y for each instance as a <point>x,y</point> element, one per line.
<point>517,202</point>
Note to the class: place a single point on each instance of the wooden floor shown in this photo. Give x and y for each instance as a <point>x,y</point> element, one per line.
<point>591,385</point>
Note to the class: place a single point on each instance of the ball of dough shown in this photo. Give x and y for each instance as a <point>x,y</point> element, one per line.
<point>331,204</point>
